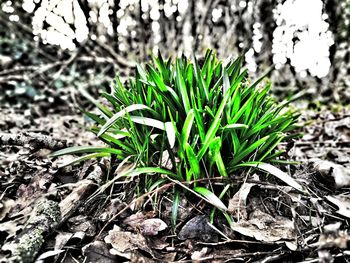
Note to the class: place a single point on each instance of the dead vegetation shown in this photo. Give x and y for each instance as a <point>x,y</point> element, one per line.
<point>92,223</point>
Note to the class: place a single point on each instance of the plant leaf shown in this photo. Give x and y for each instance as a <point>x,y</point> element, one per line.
<point>121,113</point>
<point>84,158</point>
<point>148,170</point>
<point>182,87</point>
<point>148,122</point>
<point>85,149</point>
<point>275,172</point>
<point>175,209</point>
<point>170,131</point>
<point>194,163</point>
<point>210,197</point>
<point>186,130</point>
<point>235,126</point>
<point>216,122</point>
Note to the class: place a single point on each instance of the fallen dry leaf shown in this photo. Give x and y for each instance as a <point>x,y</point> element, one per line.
<point>124,242</point>
<point>62,239</point>
<point>264,227</point>
<point>5,207</point>
<point>339,239</point>
<point>343,203</point>
<point>198,228</point>
<point>336,172</point>
<point>238,203</point>
<point>152,226</point>
<point>198,255</point>
<point>48,254</point>
<point>98,251</point>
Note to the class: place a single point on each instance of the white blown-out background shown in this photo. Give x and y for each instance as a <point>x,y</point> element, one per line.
<point>302,18</point>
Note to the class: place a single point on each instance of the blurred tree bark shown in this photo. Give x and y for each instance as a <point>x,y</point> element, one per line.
<point>338,12</point>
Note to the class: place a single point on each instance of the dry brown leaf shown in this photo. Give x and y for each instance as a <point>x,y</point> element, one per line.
<point>199,229</point>
<point>339,239</point>
<point>124,242</point>
<point>198,255</point>
<point>152,226</point>
<point>61,239</point>
<point>238,203</point>
<point>336,172</point>
<point>5,207</point>
<point>343,203</point>
<point>264,227</point>
<point>98,251</point>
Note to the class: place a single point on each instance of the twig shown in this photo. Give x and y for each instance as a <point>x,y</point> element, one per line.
<point>116,56</point>
<point>80,194</point>
<point>19,69</point>
<point>34,140</point>
<point>239,241</point>
<point>6,79</point>
<point>96,59</point>
<point>46,67</point>
<point>64,65</point>
<point>274,258</point>
<point>27,244</point>
<point>329,142</point>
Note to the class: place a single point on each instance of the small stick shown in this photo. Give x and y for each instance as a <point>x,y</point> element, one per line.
<point>34,140</point>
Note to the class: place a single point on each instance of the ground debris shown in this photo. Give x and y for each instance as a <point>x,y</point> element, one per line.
<point>336,174</point>
<point>124,242</point>
<point>198,228</point>
<point>27,244</point>
<point>263,227</point>
<point>33,140</point>
<point>271,220</point>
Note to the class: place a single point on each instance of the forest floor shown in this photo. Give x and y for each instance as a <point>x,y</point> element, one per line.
<point>73,215</point>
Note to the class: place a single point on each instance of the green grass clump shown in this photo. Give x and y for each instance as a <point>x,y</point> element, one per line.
<point>191,122</point>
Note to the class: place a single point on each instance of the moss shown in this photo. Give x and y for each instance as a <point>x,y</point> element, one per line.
<point>28,246</point>
<point>46,217</point>
<point>46,210</point>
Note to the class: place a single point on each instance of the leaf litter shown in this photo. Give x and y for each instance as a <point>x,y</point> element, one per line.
<point>272,221</point>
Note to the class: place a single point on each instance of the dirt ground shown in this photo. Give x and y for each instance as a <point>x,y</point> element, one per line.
<point>74,215</point>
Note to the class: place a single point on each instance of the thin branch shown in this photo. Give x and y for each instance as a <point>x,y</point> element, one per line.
<point>34,140</point>
<point>119,59</point>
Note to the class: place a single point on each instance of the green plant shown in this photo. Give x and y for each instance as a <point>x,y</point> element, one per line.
<point>191,122</point>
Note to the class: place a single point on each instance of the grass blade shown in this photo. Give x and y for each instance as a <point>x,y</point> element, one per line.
<point>186,130</point>
<point>148,122</point>
<point>85,149</point>
<point>235,126</point>
<point>277,173</point>
<point>194,163</point>
<point>121,113</point>
<point>247,151</point>
<point>148,170</point>
<point>84,158</point>
<point>182,87</point>
<point>170,131</point>
<point>210,197</point>
<point>175,209</point>
<point>216,122</point>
